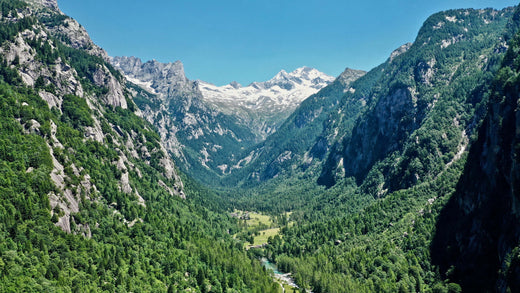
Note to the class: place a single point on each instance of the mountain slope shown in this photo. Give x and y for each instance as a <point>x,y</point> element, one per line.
<point>89,198</point>
<point>263,106</point>
<point>424,104</point>
<point>291,143</point>
<point>478,236</point>
<point>375,231</point>
<point>202,138</point>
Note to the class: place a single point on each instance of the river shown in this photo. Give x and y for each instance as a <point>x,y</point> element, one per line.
<point>279,276</point>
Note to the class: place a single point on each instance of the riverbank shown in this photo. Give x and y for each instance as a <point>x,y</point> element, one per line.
<point>284,279</point>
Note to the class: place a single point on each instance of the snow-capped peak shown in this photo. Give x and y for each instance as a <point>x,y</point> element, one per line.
<point>278,96</point>
<point>280,75</point>
<point>283,90</point>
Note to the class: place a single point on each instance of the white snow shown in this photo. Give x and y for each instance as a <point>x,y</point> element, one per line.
<point>147,85</point>
<point>285,91</point>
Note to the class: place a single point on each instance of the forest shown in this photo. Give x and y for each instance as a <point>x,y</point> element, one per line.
<point>378,194</point>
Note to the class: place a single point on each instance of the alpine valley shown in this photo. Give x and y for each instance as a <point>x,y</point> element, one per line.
<point>118,175</point>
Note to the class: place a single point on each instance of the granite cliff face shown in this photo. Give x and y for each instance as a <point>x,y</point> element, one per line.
<point>163,79</point>
<point>52,4</point>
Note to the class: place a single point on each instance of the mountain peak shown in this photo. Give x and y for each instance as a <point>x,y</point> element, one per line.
<point>349,75</point>
<point>303,70</point>
<point>271,100</point>
<point>235,84</point>
<point>152,69</point>
<point>154,76</point>
<point>281,75</point>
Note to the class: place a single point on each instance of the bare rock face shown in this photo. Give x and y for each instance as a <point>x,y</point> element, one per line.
<point>115,96</point>
<point>349,75</point>
<point>52,4</point>
<point>400,51</point>
<point>165,79</point>
<point>381,132</point>
<point>78,37</point>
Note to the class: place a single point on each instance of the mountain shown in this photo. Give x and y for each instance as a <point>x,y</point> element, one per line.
<point>477,243</point>
<point>201,138</point>
<point>291,144</point>
<point>401,179</point>
<point>90,200</point>
<point>420,113</point>
<point>407,208</point>
<point>263,106</point>
<point>211,130</point>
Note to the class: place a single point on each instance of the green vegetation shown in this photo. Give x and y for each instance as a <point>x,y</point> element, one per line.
<point>458,247</point>
<point>372,229</point>
<point>116,243</point>
<point>390,177</point>
<point>256,227</point>
<point>264,235</point>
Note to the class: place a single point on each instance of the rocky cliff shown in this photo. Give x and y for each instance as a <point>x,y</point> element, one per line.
<point>204,140</point>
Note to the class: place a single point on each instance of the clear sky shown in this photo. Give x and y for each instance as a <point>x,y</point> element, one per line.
<point>250,40</point>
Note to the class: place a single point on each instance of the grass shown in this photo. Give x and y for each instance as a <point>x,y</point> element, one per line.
<point>259,219</point>
<point>264,234</point>
<point>256,221</point>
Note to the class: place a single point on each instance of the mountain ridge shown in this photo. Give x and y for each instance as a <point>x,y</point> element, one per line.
<point>205,145</point>
<point>269,101</point>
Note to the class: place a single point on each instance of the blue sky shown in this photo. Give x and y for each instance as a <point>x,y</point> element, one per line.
<point>249,40</point>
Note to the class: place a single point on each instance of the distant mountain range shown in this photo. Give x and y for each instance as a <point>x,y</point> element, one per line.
<point>207,127</point>
<point>265,105</point>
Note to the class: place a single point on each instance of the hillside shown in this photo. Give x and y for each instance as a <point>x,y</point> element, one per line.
<point>292,144</point>
<point>90,199</point>
<point>424,106</point>
<point>479,227</point>
<point>399,176</point>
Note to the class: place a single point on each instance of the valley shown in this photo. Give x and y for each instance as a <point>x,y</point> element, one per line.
<point>120,175</point>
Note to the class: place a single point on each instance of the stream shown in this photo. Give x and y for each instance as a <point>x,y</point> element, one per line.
<point>279,276</point>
